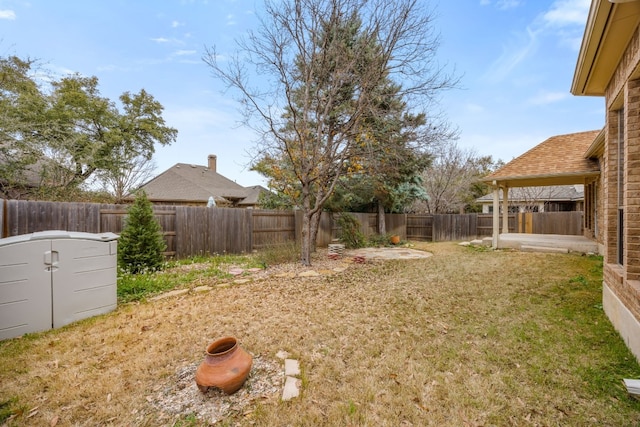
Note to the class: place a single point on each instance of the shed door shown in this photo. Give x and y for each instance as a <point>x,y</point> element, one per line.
<point>25,287</point>
<point>85,282</point>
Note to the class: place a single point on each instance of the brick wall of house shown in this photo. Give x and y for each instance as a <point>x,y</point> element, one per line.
<point>609,173</point>
<point>623,93</point>
<point>632,180</point>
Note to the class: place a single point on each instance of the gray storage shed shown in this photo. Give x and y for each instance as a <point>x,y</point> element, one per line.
<point>52,278</point>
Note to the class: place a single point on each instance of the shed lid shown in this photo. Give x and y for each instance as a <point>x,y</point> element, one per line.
<point>59,234</point>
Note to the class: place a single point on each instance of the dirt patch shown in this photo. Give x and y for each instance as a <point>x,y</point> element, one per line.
<point>179,396</point>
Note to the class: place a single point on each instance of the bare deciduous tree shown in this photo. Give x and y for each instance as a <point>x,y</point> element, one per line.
<point>130,171</point>
<point>320,63</point>
<point>448,181</point>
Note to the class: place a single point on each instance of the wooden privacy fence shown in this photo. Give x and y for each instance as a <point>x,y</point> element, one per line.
<point>194,230</point>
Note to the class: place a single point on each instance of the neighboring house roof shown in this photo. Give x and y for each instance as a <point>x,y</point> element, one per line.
<point>554,193</point>
<point>196,183</point>
<point>252,195</point>
<point>560,160</point>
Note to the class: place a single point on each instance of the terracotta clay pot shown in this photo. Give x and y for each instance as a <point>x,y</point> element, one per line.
<point>225,366</point>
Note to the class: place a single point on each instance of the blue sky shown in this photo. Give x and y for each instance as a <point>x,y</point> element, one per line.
<point>516,59</point>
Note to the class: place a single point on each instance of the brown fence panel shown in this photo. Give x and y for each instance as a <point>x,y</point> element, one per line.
<point>484,225</point>
<point>454,227</point>
<point>191,230</point>
<point>420,227</point>
<point>206,231</point>
<point>273,227</point>
<point>327,230</point>
<point>568,223</point>
<point>28,216</point>
<point>230,230</point>
<point>396,224</point>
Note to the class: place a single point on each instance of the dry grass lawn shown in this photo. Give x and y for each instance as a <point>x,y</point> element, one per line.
<point>464,338</point>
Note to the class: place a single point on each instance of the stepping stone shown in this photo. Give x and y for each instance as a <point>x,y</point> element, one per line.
<point>170,294</point>
<point>282,354</point>
<point>286,275</point>
<point>310,273</point>
<point>291,367</point>
<point>291,388</point>
<point>204,288</point>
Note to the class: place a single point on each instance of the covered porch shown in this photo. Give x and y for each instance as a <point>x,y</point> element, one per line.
<point>560,160</point>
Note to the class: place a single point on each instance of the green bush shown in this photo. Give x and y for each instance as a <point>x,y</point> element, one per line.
<point>141,244</point>
<point>349,231</point>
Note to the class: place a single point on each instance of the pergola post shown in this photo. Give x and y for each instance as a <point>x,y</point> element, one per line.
<point>505,209</point>
<point>496,215</point>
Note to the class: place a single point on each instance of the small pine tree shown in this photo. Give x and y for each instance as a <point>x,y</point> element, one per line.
<point>141,244</point>
<point>349,231</point>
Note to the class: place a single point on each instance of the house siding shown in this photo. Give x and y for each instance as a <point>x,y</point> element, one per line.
<point>621,287</point>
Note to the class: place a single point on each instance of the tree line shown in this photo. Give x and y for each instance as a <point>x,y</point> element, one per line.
<point>60,136</point>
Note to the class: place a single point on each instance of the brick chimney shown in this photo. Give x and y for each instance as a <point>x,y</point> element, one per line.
<point>212,162</point>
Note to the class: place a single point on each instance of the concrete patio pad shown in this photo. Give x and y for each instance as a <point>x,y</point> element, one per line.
<point>551,242</point>
<point>385,253</point>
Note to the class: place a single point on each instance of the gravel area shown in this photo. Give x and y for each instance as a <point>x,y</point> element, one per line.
<point>179,396</point>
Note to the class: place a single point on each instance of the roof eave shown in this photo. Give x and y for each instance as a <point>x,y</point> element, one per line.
<point>542,179</point>
<point>607,33</point>
<point>596,149</point>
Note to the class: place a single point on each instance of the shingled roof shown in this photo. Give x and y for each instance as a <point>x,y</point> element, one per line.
<point>560,160</point>
<point>188,183</point>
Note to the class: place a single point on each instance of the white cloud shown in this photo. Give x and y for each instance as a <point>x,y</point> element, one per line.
<point>567,12</point>
<point>545,98</point>
<point>7,14</point>
<point>512,56</point>
<point>172,41</point>
<point>184,52</point>
<point>563,21</point>
<point>176,24</point>
<point>231,19</point>
<point>507,4</point>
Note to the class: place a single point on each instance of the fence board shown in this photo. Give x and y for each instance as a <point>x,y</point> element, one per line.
<point>454,227</point>
<point>396,224</point>
<point>569,223</point>
<point>420,227</point>
<point>327,229</point>
<point>273,227</point>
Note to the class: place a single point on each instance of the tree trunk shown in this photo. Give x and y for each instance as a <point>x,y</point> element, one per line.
<point>313,229</point>
<point>305,249</point>
<point>382,224</point>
